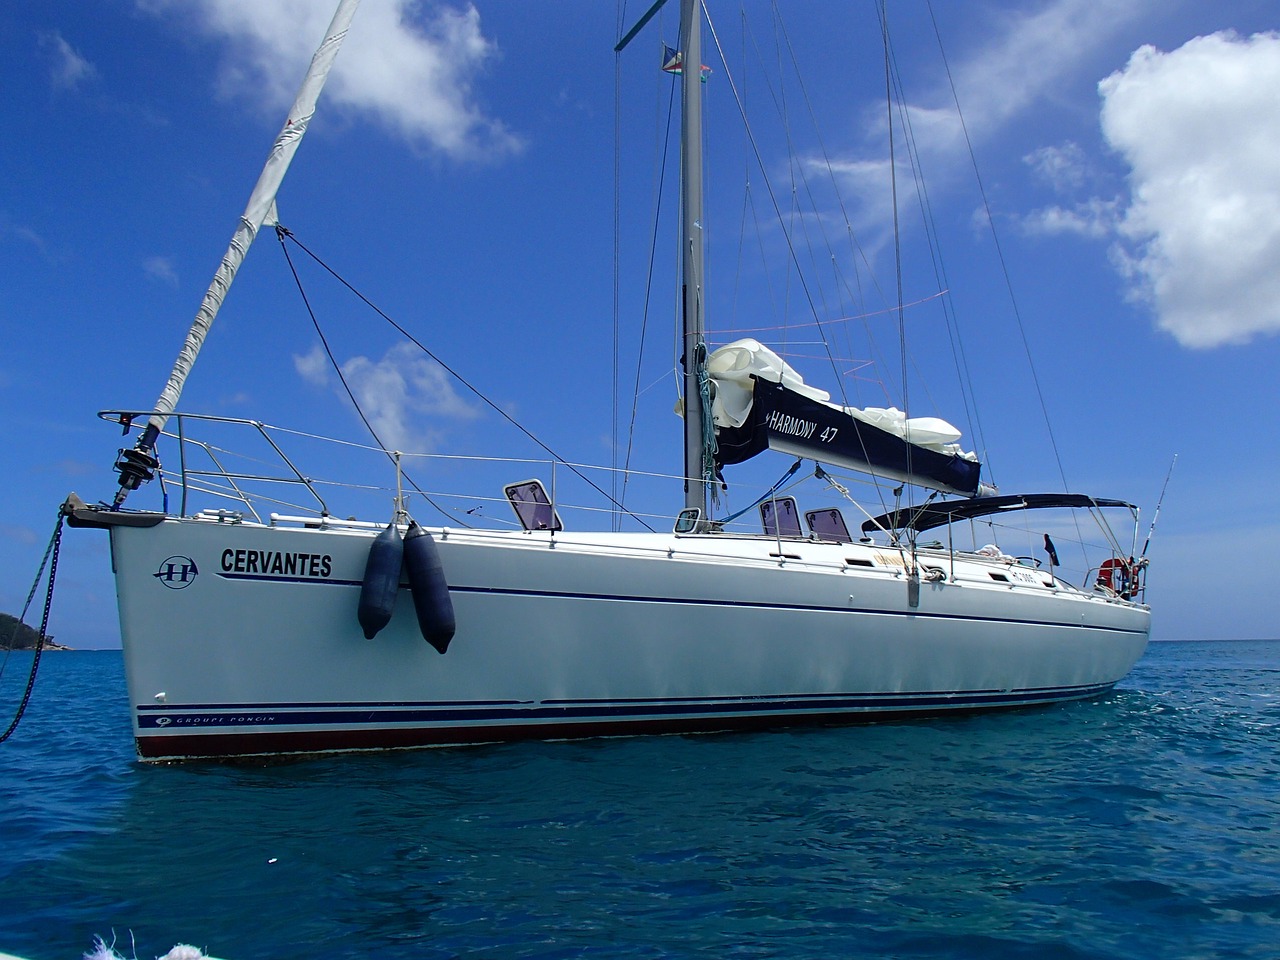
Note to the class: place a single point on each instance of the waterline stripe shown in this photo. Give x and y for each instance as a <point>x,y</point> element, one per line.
<point>257,715</point>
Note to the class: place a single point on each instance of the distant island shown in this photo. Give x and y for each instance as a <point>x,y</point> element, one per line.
<point>16,635</point>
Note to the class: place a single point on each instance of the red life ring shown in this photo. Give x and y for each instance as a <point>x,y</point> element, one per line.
<point>1119,575</point>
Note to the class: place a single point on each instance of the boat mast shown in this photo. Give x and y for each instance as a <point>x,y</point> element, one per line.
<point>698,469</point>
<point>696,473</point>
<point>137,466</point>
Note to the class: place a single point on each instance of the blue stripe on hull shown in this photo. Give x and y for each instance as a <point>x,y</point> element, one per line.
<point>802,607</point>
<point>695,602</point>
<point>226,730</point>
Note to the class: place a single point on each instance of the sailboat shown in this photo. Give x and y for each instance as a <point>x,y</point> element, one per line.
<point>248,633</point>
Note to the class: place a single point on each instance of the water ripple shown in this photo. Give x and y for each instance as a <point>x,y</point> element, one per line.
<point>1138,824</point>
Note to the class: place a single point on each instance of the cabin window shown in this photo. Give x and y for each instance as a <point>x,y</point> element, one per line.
<point>781,518</point>
<point>999,576</point>
<point>689,521</point>
<point>532,505</point>
<point>828,524</point>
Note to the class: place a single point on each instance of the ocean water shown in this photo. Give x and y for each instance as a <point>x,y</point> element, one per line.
<point>1142,824</point>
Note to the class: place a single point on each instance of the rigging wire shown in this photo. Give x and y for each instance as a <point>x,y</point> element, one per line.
<point>281,233</point>
<point>767,495</point>
<point>957,347</point>
<point>962,368</point>
<point>897,231</point>
<point>1004,268</point>
<point>963,376</point>
<point>857,248</point>
<point>800,224</point>
<point>795,171</point>
<point>755,149</point>
<point>453,373</point>
<point>773,199</point>
<point>617,257</point>
<point>648,292</point>
<point>986,207</point>
<point>883,15</point>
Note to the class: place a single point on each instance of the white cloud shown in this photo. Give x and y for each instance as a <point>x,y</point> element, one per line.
<point>313,366</point>
<point>1096,219</point>
<point>67,68</point>
<point>162,269</point>
<point>238,399</point>
<point>869,180</point>
<point>23,233</point>
<point>407,397</point>
<point>1026,60</point>
<point>1200,239</point>
<point>79,468</point>
<point>23,535</point>
<point>1064,167</point>
<point>410,65</point>
<point>1031,54</point>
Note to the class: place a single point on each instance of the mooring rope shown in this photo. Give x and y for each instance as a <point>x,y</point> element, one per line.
<point>55,544</point>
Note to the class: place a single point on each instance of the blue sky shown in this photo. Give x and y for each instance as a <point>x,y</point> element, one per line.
<point>460,172</point>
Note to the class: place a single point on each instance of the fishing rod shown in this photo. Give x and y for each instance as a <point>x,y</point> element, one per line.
<point>1156,516</point>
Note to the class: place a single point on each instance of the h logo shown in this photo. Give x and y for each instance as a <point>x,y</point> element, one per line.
<point>177,573</point>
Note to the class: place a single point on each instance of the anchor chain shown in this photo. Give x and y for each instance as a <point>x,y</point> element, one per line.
<point>55,545</point>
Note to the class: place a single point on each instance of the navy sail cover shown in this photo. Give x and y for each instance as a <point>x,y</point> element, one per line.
<point>759,402</point>
<point>789,422</point>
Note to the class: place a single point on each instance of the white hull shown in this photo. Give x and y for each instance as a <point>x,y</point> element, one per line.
<point>578,635</point>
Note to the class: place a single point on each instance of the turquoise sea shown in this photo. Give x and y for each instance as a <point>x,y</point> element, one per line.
<point>1143,824</point>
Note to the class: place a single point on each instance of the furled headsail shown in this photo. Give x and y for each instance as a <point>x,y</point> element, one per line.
<point>761,403</point>
<point>137,466</point>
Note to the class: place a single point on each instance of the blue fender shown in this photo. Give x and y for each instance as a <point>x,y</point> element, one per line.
<point>381,581</point>
<point>431,600</point>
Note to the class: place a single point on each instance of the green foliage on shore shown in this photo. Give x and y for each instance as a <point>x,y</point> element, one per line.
<point>16,635</point>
